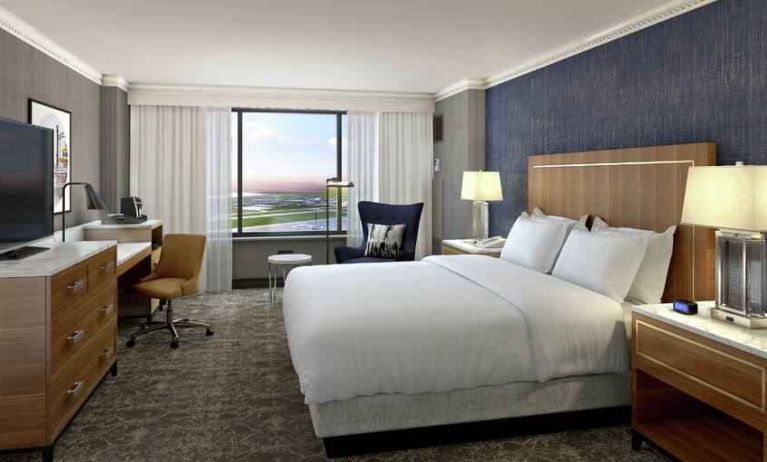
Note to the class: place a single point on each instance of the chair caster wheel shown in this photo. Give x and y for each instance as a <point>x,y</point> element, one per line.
<point>174,344</point>
<point>131,343</point>
<point>208,333</point>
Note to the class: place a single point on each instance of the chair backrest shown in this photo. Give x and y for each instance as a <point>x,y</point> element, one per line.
<point>392,214</point>
<point>181,256</point>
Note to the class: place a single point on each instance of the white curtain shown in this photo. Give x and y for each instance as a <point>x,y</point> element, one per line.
<point>362,165</point>
<point>390,160</point>
<point>219,199</point>
<point>406,155</point>
<point>180,168</point>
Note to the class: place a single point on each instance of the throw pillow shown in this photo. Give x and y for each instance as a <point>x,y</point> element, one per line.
<point>384,241</point>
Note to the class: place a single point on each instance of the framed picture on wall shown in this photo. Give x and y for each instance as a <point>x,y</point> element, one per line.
<point>60,121</point>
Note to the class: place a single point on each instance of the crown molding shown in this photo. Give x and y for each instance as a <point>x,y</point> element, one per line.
<point>635,24</point>
<point>109,80</point>
<point>643,21</point>
<point>23,31</point>
<point>278,98</point>
<point>458,87</point>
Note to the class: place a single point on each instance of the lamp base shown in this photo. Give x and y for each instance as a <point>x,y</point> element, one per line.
<point>479,220</point>
<point>741,287</point>
<point>749,322</point>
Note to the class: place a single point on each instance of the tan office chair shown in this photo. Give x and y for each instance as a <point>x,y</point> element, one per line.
<point>177,274</point>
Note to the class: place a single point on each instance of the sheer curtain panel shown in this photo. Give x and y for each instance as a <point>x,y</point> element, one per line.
<point>390,160</point>
<point>363,168</point>
<point>406,156</point>
<point>180,167</point>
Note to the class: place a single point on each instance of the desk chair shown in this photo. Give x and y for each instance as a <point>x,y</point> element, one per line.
<point>177,274</point>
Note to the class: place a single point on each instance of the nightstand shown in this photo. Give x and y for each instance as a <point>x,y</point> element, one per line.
<point>698,385</point>
<point>467,247</point>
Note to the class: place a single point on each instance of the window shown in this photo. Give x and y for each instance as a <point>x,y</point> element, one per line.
<point>281,160</point>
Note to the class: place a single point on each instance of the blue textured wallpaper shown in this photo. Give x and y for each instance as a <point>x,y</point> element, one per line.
<point>698,77</point>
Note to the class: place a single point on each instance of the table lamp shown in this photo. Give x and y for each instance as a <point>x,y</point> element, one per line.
<point>733,199</point>
<point>481,187</point>
<point>92,202</point>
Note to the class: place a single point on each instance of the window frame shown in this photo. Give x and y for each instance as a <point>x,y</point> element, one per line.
<point>239,111</point>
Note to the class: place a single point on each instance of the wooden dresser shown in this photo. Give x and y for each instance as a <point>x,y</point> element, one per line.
<point>58,338</point>
<point>698,385</point>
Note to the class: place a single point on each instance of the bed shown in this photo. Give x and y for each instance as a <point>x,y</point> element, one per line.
<point>456,339</point>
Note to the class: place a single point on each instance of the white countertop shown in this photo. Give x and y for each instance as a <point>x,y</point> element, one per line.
<point>469,245</point>
<point>127,250</point>
<point>752,341</point>
<point>60,256</point>
<point>100,225</point>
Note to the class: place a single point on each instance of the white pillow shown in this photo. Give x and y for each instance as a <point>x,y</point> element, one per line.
<point>534,244</point>
<point>650,280</point>
<point>605,263</point>
<point>575,224</point>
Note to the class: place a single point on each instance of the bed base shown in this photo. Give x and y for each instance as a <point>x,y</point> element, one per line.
<point>368,443</point>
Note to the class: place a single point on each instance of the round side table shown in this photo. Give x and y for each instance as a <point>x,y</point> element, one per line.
<point>282,264</point>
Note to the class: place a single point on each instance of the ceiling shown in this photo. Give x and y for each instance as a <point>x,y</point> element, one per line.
<point>396,45</point>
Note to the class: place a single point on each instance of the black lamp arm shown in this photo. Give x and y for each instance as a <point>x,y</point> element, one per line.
<point>64,207</point>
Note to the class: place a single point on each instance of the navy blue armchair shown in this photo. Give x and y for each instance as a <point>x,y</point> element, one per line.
<point>385,214</point>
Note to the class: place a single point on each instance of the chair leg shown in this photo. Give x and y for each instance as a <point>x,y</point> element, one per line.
<point>169,324</point>
<point>188,323</point>
<point>174,335</point>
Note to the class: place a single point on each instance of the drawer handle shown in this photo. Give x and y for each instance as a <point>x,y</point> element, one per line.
<point>74,390</point>
<point>107,309</point>
<point>76,336</point>
<point>75,286</point>
<point>107,353</point>
<point>104,268</point>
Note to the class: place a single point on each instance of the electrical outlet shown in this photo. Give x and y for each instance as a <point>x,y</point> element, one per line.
<point>436,165</point>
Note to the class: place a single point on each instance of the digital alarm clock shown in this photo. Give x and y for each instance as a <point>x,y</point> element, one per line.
<point>685,307</point>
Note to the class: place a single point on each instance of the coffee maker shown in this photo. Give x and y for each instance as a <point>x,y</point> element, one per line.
<point>130,213</point>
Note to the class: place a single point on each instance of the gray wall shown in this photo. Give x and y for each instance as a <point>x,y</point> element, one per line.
<point>115,146</point>
<point>27,73</point>
<point>250,254</point>
<point>462,148</point>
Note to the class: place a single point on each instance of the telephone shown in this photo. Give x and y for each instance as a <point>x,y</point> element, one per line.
<point>491,243</point>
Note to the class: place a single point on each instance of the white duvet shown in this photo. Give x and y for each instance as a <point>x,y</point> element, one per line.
<point>444,323</point>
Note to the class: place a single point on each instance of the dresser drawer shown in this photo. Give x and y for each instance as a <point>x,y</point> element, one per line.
<point>98,312</point>
<point>705,365</point>
<point>102,268</point>
<point>70,286</point>
<point>72,384</point>
<point>66,318</point>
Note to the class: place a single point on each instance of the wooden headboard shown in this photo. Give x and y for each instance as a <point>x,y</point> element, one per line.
<point>639,188</point>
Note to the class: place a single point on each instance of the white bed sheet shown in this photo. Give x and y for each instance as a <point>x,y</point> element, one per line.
<point>445,323</point>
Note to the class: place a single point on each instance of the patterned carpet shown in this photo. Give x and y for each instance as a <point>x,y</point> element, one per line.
<point>235,397</point>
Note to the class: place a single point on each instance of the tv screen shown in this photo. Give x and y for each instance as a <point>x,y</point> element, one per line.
<point>26,182</point>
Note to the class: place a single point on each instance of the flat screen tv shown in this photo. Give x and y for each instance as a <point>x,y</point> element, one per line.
<point>26,183</point>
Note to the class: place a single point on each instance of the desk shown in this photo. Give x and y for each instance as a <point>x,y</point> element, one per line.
<point>130,254</point>
<point>138,250</point>
<point>148,231</point>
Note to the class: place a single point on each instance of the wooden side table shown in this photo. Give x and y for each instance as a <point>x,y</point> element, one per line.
<point>698,385</point>
<point>467,247</point>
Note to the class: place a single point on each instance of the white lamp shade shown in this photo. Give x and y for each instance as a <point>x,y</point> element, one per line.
<point>731,197</point>
<point>481,186</point>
